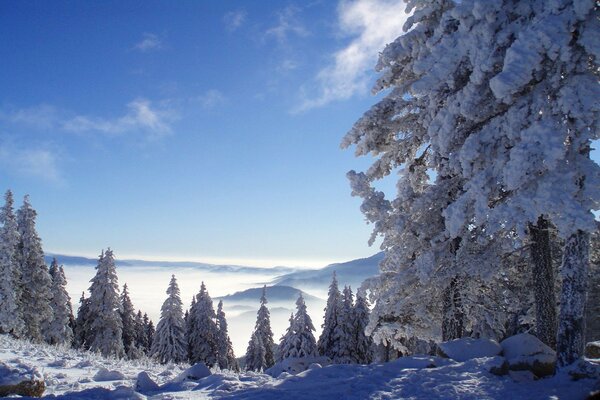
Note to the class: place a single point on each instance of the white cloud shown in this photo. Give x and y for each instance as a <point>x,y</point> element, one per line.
<point>149,42</point>
<point>372,24</point>
<point>36,162</point>
<point>211,99</point>
<point>234,20</point>
<point>287,24</point>
<point>42,116</point>
<point>141,116</point>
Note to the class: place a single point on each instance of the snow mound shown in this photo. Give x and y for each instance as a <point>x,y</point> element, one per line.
<point>18,373</point>
<point>418,362</point>
<point>193,373</point>
<point>104,375</point>
<point>468,348</point>
<point>294,365</point>
<point>144,383</point>
<point>526,352</point>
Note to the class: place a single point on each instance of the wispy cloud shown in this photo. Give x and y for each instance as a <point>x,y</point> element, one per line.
<point>372,24</point>
<point>34,162</point>
<point>42,116</point>
<point>288,24</point>
<point>211,99</point>
<point>149,42</point>
<point>141,116</point>
<point>234,20</point>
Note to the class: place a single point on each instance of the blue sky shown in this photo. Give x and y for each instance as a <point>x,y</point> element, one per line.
<point>190,130</point>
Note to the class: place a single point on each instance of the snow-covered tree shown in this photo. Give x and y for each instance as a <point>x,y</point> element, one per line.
<point>363,350</point>
<point>83,334</point>
<point>190,323</point>
<point>495,98</point>
<point>11,319</point>
<point>301,342</point>
<point>225,357</point>
<point>264,335</point>
<point>36,283</point>
<point>285,343</point>
<point>130,328</point>
<point>255,354</point>
<point>148,332</point>
<point>592,307</point>
<point>60,331</point>
<point>344,333</point>
<point>169,343</point>
<point>204,332</point>
<point>328,344</point>
<point>104,309</point>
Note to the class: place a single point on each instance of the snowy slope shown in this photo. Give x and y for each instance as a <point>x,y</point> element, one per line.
<point>275,294</point>
<point>70,375</point>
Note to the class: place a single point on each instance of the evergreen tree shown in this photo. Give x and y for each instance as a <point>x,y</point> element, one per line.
<point>105,308</point>
<point>363,351</point>
<point>301,343</point>
<point>190,323</point>
<point>204,332</point>
<point>255,354</point>
<point>130,328</point>
<point>328,345</point>
<point>169,343</point>
<point>36,283</point>
<point>11,319</point>
<point>225,357</point>
<point>264,334</point>
<point>285,343</point>
<point>592,307</point>
<point>149,332</point>
<point>83,334</point>
<point>60,330</point>
<point>344,333</point>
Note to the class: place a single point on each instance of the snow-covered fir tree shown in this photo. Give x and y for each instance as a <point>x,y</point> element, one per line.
<point>285,343</point>
<point>130,328</point>
<point>60,330</point>
<point>255,354</point>
<point>82,330</point>
<point>301,341</point>
<point>203,330</point>
<point>328,344</point>
<point>264,335</point>
<point>11,319</point>
<point>190,323</point>
<point>104,309</point>
<point>504,118</point>
<point>149,332</point>
<point>169,343</point>
<point>344,333</point>
<point>363,350</point>
<point>225,356</point>
<point>36,283</point>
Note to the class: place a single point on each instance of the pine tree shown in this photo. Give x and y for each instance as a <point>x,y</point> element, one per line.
<point>35,280</point>
<point>255,354</point>
<point>344,333</point>
<point>190,323</point>
<point>363,352</point>
<point>149,332</point>
<point>225,356</point>
<point>83,334</point>
<point>60,330</point>
<point>285,343</point>
<point>301,343</point>
<point>169,343</point>
<point>204,332</point>
<point>105,308</point>
<point>328,344</point>
<point>11,319</point>
<point>264,334</point>
<point>130,329</point>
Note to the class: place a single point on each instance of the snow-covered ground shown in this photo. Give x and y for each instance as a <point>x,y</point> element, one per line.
<point>71,374</point>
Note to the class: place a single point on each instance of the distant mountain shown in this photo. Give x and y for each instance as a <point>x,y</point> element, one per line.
<point>275,294</point>
<point>351,273</point>
<point>84,261</point>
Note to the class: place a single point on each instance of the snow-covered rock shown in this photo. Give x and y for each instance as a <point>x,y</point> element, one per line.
<point>592,350</point>
<point>21,380</point>
<point>525,352</point>
<point>293,365</point>
<point>104,374</point>
<point>145,384</point>
<point>468,348</point>
<point>193,373</point>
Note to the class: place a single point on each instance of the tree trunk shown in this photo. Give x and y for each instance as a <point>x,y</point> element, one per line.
<point>569,342</point>
<point>543,283</point>
<point>453,315</point>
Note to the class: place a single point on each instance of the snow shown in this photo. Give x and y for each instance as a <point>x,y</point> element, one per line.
<point>421,377</point>
<point>104,375</point>
<point>193,373</point>
<point>468,348</point>
<point>523,345</point>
